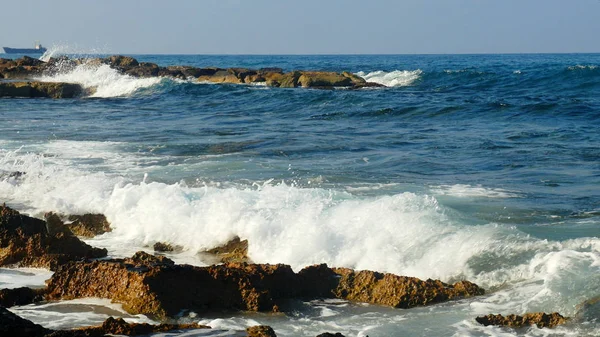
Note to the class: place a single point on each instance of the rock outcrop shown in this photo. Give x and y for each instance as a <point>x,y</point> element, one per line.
<point>260,331</point>
<point>155,286</point>
<point>235,250</point>
<point>40,89</point>
<point>28,68</point>
<point>15,326</point>
<point>26,242</point>
<point>20,296</point>
<point>540,319</point>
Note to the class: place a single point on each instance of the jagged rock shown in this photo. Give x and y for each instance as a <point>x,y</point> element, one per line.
<point>28,61</point>
<point>540,319</point>
<point>236,250</point>
<point>20,296</point>
<point>121,62</point>
<point>118,326</point>
<point>88,225</point>
<point>329,334</point>
<point>162,289</point>
<point>25,241</point>
<point>163,247</point>
<point>15,326</point>
<point>287,80</point>
<point>40,89</point>
<point>260,331</point>
<point>221,76</point>
<point>155,286</point>
<point>144,69</point>
<point>398,291</point>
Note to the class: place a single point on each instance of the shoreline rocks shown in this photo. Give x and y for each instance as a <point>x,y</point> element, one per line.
<point>540,319</point>
<point>31,242</point>
<point>28,68</point>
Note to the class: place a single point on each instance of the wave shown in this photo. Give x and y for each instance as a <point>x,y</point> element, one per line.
<point>397,78</point>
<point>102,80</point>
<point>404,233</point>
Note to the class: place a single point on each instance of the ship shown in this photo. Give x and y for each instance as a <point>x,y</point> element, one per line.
<point>38,49</point>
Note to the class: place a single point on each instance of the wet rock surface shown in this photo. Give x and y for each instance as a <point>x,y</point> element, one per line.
<point>13,325</point>
<point>235,250</point>
<point>40,89</point>
<point>27,242</point>
<point>155,286</point>
<point>28,68</point>
<point>20,296</point>
<point>260,331</point>
<point>540,319</point>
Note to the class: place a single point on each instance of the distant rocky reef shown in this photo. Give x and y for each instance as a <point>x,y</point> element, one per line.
<point>18,77</point>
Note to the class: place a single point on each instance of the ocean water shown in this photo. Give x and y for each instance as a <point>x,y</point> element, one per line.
<point>477,167</point>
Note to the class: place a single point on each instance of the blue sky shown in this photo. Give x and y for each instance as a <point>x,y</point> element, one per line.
<point>305,27</point>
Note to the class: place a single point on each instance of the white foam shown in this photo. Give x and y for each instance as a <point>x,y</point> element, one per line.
<point>397,78</point>
<point>11,278</point>
<point>477,191</point>
<point>102,80</point>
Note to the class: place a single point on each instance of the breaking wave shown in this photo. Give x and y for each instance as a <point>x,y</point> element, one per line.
<point>397,78</point>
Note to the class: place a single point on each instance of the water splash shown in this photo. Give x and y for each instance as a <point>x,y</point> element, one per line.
<point>397,78</point>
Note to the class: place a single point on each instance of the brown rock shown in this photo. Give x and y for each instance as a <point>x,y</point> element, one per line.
<point>323,80</point>
<point>40,89</point>
<point>20,296</point>
<point>88,225</point>
<point>118,326</point>
<point>398,291</point>
<point>260,331</point>
<point>287,80</point>
<point>144,69</point>
<point>540,319</point>
<point>15,326</point>
<point>121,62</point>
<point>158,288</point>
<point>329,334</point>
<point>163,247</point>
<point>25,241</point>
<point>236,250</point>
<point>221,76</point>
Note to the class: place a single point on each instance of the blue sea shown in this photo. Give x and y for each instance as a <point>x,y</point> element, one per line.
<point>477,167</point>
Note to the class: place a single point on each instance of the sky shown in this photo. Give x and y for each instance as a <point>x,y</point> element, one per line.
<point>304,26</point>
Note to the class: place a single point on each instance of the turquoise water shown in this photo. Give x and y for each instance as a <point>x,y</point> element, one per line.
<point>484,167</point>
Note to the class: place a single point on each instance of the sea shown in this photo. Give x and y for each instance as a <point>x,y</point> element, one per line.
<point>463,167</point>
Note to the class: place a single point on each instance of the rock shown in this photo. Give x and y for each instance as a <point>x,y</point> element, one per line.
<point>187,71</point>
<point>368,85</point>
<point>329,334</point>
<point>221,76</point>
<point>260,331</point>
<point>540,319</point>
<point>323,80</point>
<point>15,326</point>
<point>155,286</point>
<point>88,225</point>
<point>287,80</point>
<point>121,62</point>
<point>20,296</point>
<point>163,247</point>
<point>236,250</point>
<point>40,89</point>
<point>398,291</point>
<point>25,241</point>
<point>162,289</point>
<point>28,61</point>
<point>118,326</point>
<point>144,69</point>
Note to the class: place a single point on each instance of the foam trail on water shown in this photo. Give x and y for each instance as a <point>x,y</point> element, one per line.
<point>397,78</point>
<point>102,80</point>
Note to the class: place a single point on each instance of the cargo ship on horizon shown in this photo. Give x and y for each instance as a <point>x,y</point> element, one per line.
<point>38,49</point>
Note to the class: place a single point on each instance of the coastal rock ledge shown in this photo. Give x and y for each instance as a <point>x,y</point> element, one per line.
<point>540,319</point>
<point>157,287</point>
<point>40,89</point>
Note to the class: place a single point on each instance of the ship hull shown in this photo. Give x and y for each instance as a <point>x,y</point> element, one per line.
<point>24,50</point>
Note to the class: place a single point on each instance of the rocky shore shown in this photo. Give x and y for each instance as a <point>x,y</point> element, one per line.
<point>18,77</point>
<point>155,286</point>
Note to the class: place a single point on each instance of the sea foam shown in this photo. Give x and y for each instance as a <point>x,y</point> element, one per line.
<point>397,78</point>
<point>102,80</point>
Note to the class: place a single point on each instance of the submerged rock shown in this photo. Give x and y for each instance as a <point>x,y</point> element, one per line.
<point>235,250</point>
<point>540,319</point>
<point>26,242</point>
<point>329,334</point>
<point>260,331</point>
<point>40,89</point>
<point>20,296</point>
